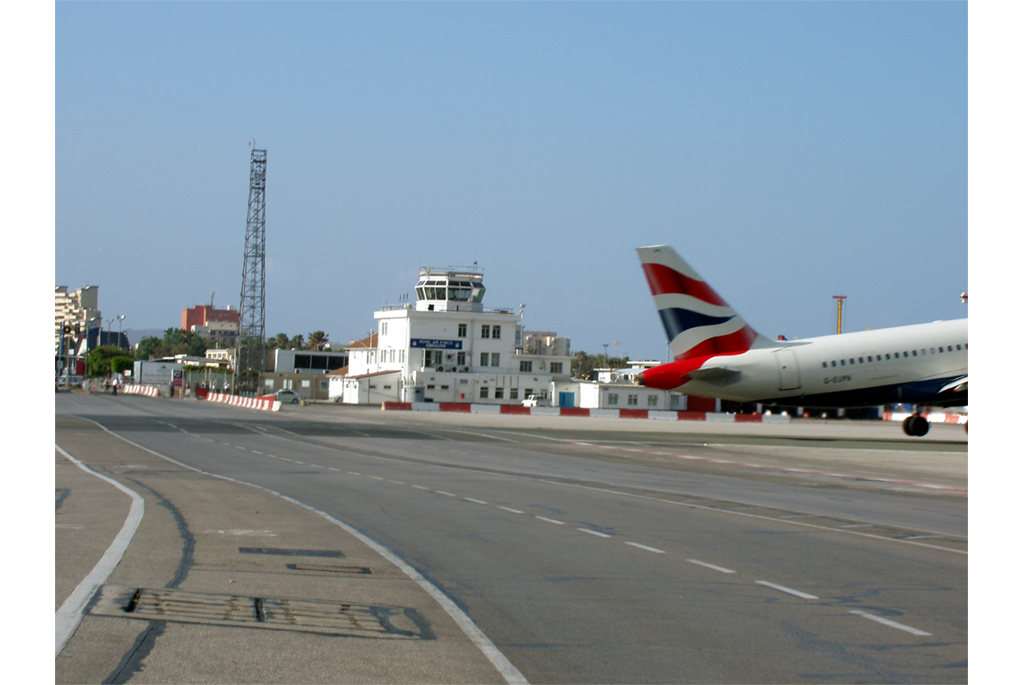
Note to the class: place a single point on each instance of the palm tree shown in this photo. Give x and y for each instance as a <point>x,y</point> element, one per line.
<point>317,341</point>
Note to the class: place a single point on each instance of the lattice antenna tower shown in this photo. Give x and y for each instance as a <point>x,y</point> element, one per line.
<point>250,355</point>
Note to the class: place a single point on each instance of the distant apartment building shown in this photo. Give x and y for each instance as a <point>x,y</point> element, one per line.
<point>217,325</point>
<point>79,310</point>
<point>547,343</point>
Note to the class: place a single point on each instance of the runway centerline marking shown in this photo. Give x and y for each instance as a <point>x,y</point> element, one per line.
<point>705,564</point>
<point>510,509</point>
<point>474,501</point>
<point>649,549</point>
<point>891,624</point>
<point>594,532</point>
<point>787,590</point>
<point>555,521</point>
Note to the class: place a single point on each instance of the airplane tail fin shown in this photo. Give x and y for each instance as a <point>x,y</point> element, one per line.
<point>697,321</point>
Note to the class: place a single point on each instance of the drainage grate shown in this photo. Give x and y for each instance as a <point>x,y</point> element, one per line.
<point>330,569</point>
<point>324,617</point>
<point>327,553</point>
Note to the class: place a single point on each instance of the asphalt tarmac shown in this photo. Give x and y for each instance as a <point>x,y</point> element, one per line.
<point>346,544</point>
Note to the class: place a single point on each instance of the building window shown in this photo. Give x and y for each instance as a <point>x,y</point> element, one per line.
<point>513,393</point>
<point>268,382</point>
<point>461,359</point>
<point>497,332</point>
<point>494,358</point>
<point>555,367</point>
<point>613,398</point>
<point>499,393</point>
<point>485,331</point>
<point>652,400</point>
<point>525,366</point>
<point>483,358</point>
<point>462,330</point>
<point>483,393</point>
<point>633,400</point>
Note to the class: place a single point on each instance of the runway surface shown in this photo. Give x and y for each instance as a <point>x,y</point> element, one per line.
<point>583,550</point>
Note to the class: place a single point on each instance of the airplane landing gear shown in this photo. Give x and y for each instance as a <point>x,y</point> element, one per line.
<point>915,425</point>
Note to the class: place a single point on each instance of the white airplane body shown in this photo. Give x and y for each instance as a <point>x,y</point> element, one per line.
<point>715,353</point>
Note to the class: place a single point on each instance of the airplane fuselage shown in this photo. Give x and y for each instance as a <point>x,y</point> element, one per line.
<point>916,364</point>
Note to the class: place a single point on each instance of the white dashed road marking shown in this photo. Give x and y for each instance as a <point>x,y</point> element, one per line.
<point>649,549</point>
<point>711,566</point>
<point>891,624</point>
<point>787,590</point>
<point>555,521</point>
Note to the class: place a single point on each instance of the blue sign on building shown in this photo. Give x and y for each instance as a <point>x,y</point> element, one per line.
<point>436,344</point>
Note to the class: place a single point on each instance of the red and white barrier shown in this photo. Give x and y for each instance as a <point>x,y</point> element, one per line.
<point>261,403</point>
<point>467,408</point>
<point>933,417</point>
<point>147,390</point>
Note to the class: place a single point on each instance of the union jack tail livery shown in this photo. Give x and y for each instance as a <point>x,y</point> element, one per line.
<point>697,321</point>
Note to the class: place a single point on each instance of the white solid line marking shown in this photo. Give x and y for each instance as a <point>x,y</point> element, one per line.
<point>594,532</point>
<point>788,590</point>
<point>474,501</point>
<point>514,511</point>
<point>446,494</point>
<point>71,611</point>
<point>544,518</point>
<point>649,549</point>
<point>711,566</point>
<point>891,624</point>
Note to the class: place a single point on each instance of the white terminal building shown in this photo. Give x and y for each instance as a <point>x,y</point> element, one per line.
<point>448,347</point>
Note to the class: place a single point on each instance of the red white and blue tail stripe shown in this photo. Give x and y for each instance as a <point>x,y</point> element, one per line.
<point>697,321</point>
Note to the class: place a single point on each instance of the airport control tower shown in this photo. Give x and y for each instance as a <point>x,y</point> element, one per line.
<point>450,289</point>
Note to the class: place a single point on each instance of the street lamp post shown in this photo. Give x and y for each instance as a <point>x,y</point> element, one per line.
<point>120,319</point>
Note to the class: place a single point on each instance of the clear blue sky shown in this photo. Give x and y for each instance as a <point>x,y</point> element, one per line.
<point>789,151</point>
